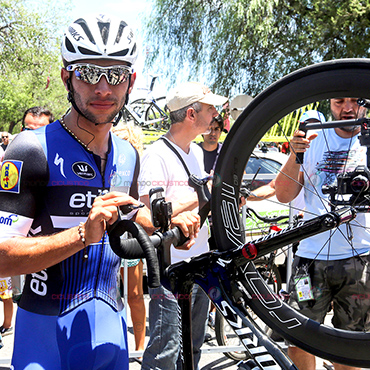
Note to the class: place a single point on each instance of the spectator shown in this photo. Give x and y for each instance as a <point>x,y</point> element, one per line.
<point>4,140</point>
<point>57,192</point>
<point>210,145</point>
<point>7,298</point>
<point>2,152</point>
<point>328,252</point>
<point>225,114</point>
<point>167,163</point>
<point>36,117</point>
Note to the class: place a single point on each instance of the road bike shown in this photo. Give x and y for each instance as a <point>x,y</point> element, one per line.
<point>266,267</point>
<point>148,112</point>
<point>228,274</point>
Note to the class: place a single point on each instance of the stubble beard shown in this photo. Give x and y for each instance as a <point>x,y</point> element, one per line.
<point>92,117</point>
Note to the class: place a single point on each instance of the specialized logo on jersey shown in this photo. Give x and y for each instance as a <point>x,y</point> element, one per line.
<point>10,176</point>
<point>59,161</point>
<point>83,170</point>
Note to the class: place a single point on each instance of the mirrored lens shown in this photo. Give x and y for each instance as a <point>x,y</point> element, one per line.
<point>92,74</point>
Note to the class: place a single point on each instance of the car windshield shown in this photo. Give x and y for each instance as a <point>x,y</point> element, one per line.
<point>262,166</point>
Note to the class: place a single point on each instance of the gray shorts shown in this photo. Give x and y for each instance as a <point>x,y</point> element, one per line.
<point>341,285</point>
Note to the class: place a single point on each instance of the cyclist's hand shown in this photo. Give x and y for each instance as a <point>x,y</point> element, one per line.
<point>189,223</point>
<point>300,143</point>
<point>104,211</point>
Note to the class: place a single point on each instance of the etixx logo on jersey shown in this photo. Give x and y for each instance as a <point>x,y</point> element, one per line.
<point>83,170</point>
<point>10,176</point>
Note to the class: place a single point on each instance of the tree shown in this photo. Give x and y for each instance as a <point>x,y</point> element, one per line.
<point>242,46</point>
<point>29,61</point>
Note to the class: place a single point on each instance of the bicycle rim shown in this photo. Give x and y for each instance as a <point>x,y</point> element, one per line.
<point>339,78</point>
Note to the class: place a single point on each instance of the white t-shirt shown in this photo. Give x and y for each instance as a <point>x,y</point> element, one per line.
<point>326,157</point>
<point>160,166</point>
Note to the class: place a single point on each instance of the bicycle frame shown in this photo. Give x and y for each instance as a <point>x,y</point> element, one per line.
<point>232,283</point>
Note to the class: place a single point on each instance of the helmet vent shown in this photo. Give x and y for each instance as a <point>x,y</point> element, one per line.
<point>86,29</point>
<point>121,27</point>
<point>121,53</point>
<point>104,31</point>
<point>69,45</point>
<point>133,51</point>
<point>85,51</point>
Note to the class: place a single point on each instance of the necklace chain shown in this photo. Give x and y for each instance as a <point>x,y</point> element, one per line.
<point>74,135</point>
<point>169,132</point>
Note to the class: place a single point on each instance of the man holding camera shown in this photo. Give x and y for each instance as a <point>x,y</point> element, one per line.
<point>168,164</point>
<point>334,268</point>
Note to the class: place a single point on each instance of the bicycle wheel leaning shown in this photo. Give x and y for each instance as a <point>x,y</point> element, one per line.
<point>339,78</point>
<point>225,335</point>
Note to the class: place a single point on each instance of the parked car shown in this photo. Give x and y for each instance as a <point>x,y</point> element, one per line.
<point>260,170</point>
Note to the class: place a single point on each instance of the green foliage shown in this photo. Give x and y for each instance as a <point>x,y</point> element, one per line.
<point>242,46</point>
<point>29,61</point>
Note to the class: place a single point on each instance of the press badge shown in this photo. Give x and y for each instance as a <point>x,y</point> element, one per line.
<point>303,288</point>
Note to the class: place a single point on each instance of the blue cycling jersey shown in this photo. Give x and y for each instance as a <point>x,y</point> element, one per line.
<point>48,183</point>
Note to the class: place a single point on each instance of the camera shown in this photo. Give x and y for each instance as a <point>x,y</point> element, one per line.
<point>355,183</point>
<point>161,211</point>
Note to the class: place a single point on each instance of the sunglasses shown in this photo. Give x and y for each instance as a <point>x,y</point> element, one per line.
<point>91,73</point>
<point>4,137</point>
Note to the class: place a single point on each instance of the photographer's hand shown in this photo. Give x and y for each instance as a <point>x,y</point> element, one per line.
<point>189,223</point>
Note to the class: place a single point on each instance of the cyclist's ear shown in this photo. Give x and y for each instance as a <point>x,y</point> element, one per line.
<point>65,75</point>
<point>132,81</point>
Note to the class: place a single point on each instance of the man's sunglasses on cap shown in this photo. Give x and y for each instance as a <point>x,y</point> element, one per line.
<point>91,73</point>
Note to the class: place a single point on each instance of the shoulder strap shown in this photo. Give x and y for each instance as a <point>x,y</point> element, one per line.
<point>177,153</point>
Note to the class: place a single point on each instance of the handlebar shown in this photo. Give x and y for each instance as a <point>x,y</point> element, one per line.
<point>143,246</point>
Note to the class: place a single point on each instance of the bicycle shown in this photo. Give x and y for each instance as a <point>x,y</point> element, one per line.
<point>228,274</point>
<point>269,271</point>
<point>147,112</point>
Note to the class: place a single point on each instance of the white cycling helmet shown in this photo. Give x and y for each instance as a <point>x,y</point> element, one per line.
<point>99,36</point>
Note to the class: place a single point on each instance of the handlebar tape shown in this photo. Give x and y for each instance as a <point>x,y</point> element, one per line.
<point>138,247</point>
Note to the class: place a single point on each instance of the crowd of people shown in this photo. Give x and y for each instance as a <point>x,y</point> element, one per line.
<point>59,188</point>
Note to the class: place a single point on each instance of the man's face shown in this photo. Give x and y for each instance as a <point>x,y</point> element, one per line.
<point>101,102</point>
<point>33,122</point>
<point>214,135</point>
<point>5,138</point>
<point>346,108</point>
<point>205,117</point>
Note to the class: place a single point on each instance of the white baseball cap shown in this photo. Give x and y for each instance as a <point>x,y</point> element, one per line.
<point>191,92</point>
<point>312,114</point>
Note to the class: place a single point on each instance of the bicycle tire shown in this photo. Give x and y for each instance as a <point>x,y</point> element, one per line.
<point>347,78</point>
<point>155,115</point>
<point>224,333</point>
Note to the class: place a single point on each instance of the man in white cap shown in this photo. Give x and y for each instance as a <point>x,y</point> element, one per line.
<point>327,262</point>
<point>192,109</point>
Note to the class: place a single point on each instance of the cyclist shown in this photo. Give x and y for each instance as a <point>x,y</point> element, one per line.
<point>54,186</point>
<point>338,278</point>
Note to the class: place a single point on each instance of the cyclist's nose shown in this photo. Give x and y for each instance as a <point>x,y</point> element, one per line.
<point>103,87</point>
